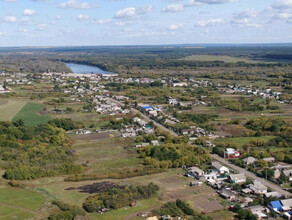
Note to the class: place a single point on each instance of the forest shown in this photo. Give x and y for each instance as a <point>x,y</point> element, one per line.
<point>29,152</point>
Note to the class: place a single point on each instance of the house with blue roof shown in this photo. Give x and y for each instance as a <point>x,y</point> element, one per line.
<point>275,205</point>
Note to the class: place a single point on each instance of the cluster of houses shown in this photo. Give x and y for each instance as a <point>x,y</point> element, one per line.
<point>249,90</point>
<point>139,127</point>
<point>222,179</point>
<point>278,168</point>
<point>104,105</point>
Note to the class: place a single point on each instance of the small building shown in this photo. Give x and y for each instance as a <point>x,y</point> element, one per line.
<point>272,194</point>
<point>259,211</point>
<point>237,178</point>
<point>258,188</point>
<point>196,173</point>
<point>275,205</point>
<point>155,143</point>
<point>196,183</point>
<point>269,159</point>
<point>231,153</point>
<point>227,194</point>
<point>172,101</point>
<point>249,160</point>
<point>288,173</point>
<point>220,168</point>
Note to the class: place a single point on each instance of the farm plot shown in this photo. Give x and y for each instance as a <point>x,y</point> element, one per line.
<point>19,203</point>
<point>9,108</point>
<point>104,155</point>
<point>30,114</point>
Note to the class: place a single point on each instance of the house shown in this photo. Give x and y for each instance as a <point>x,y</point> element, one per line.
<point>258,188</point>
<point>227,194</point>
<point>213,175</point>
<point>179,84</point>
<point>196,183</point>
<point>272,194</point>
<point>275,205</point>
<point>258,210</point>
<point>288,173</point>
<point>269,159</point>
<point>231,153</point>
<point>172,101</point>
<point>220,168</point>
<point>155,143</point>
<point>286,204</point>
<point>237,178</point>
<point>196,173</point>
<point>249,160</point>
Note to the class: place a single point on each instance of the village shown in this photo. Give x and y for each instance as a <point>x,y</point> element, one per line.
<point>234,186</point>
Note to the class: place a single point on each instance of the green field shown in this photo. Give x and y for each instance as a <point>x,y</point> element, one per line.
<point>239,142</point>
<point>19,203</point>
<point>120,214</point>
<point>212,58</point>
<point>9,108</point>
<point>30,114</point>
<point>106,154</point>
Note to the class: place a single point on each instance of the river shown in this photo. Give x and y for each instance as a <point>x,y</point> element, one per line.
<point>81,68</point>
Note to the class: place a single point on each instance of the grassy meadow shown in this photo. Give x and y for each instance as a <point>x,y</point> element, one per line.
<point>30,113</point>
<point>9,108</point>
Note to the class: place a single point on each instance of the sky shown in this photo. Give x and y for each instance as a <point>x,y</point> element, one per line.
<point>143,22</point>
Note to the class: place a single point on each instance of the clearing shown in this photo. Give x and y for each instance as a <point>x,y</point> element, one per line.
<point>104,155</point>
<point>212,58</point>
<point>9,108</point>
<point>19,203</point>
<point>30,113</point>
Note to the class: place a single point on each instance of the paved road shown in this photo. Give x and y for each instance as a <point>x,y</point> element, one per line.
<point>253,176</point>
<point>216,157</point>
<point>147,119</point>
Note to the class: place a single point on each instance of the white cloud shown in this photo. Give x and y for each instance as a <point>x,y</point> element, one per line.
<point>245,18</point>
<point>22,30</point>
<point>126,13</point>
<point>212,2</point>
<point>173,27</point>
<point>28,12</point>
<point>75,4</point>
<point>82,17</point>
<point>173,8</point>
<point>209,2</point>
<point>282,4</point>
<point>41,27</point>
<point>123,23</point>
<point>211,22</point>
<point>9,19</point>
<point>193,3</point>
<point>101,21</point>
<point>10,0</point>
<point>146,9</point>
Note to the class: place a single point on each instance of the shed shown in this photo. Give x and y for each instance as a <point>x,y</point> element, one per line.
<point>275,205</point>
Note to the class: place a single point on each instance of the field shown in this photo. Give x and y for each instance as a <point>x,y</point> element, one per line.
<point>102,155</point>
<point>172,186</point>
<point>212,58</point>
<point>19,203</point>
<point>9,108</point>
<point>30,113</point>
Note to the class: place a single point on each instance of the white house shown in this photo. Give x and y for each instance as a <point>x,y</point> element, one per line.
<point>237,178</point>
<point>220,168</point>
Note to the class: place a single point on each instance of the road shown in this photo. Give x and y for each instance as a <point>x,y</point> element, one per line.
<point>218,158</point>
<point>252,175</point>
<point>147,119</point>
